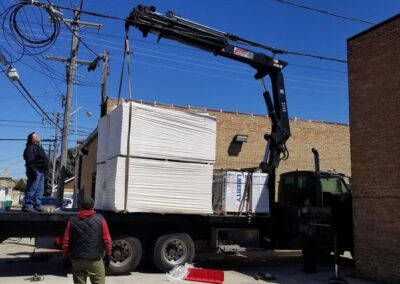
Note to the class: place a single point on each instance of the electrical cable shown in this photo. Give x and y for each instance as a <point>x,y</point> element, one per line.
<point>50,120</point>
<point>32,101</point>
<point>311,67</point>
<point>16,32</point>
<point>81,41</point>
<point>325,12</point>
<point>194,59</point>
<point>187,59</point>
<point>233,38</point>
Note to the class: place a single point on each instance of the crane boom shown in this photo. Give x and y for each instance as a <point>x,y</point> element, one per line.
<point>170,26</point>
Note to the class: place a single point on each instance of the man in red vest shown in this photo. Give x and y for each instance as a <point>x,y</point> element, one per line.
<point>85,239</point>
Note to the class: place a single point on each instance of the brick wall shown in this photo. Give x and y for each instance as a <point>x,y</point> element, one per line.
<point>331,140</point>
<point>374,83</point>
<point>87,168</point>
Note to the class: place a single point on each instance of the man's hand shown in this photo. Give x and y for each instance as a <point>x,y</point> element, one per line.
<point>106,260</point>
<point>66,263</point>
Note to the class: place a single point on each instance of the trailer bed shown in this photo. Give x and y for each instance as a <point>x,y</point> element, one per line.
<point>16,223</point>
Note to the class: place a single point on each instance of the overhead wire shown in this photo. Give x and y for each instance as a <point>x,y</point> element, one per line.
<point>28,97</point>
<point>195,59</point>
<point>81,40</point>
<point>124,20</point>
<point>28,41</point>
<point>20,29</point>
<point>325,12</point>
<point>303,66</point>
<point>327,82</point>
<point>232,37</point>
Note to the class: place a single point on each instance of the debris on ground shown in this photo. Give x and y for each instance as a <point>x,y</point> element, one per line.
<point>189,273</point>
<point>264,276</point>
<point>35,278</point>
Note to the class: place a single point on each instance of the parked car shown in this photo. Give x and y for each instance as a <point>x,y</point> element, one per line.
<point>49,204</point>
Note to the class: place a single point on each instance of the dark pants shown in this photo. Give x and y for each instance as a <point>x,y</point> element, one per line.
<point>34,190</point>
<point>309,250</point>
<point>82,268</point>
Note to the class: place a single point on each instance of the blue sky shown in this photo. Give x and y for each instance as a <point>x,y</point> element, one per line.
<point>172,73</point>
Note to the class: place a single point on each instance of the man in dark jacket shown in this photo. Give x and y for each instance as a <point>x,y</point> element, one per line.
<point>36,163</point>
<point>85,239</point>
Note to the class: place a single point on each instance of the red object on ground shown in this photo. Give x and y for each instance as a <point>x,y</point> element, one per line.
<point>205,275</point>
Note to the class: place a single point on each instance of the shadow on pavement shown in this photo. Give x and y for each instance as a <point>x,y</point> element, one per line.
<point>28,264</point>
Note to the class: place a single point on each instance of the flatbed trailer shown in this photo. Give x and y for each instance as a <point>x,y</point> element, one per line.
<point>167,239</point>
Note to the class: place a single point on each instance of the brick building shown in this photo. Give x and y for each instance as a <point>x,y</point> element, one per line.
<point>374,72</point>
<point>332,141</point>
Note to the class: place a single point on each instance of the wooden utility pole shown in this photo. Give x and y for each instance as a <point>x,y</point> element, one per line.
<point>72,61</point>
<point>104,78</point>
<point>55,147</point>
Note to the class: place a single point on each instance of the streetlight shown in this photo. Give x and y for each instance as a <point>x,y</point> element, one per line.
<point>88,113</point>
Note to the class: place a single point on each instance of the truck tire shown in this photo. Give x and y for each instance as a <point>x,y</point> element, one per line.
<point>172,250</point>
<point>125,256</point>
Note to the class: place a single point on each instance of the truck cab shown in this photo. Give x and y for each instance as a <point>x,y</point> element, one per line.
<point>315,202</point>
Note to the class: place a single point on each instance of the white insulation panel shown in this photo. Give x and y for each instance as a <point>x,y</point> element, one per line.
<point>102,139</point>
<point>157,133</point>
<point>100,186</point>
<point>229,193</point>
<point>155,186</point>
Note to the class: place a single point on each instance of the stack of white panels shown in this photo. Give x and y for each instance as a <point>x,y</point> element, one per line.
<point>157,133</point>
<point>259,193</point>
<point>100,186</point>
<point>157,186</point>
<point>230,197</point>
<point>169,161</point>
<point>102,139</point>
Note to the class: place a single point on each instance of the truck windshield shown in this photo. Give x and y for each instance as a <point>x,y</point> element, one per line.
<point>333,185</point>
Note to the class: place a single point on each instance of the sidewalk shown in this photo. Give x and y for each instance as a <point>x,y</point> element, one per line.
<point>17,266</point>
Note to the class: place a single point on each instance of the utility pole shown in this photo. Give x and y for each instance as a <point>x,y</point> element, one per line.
<point>72,61</point>
<point>55,148</point>
<point>104,78</point>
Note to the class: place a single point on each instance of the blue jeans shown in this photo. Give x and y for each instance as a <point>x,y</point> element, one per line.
<point>34,190</point>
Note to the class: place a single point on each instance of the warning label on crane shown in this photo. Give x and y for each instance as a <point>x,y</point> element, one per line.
<point>243,52</point>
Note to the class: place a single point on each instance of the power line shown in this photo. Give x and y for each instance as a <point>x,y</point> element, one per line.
<point>325,12</point>
<point>35,122</point>
<point>31,100</point>
<point>185,60</point>
<point>244,42</point>
<point>50,120</point>
<point>24,139</point>
<point>179,56</point>
<point>80,40</point>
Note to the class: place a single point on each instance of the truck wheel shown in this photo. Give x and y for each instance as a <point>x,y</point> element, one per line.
<point>173,250</point>
<point>125,256</point>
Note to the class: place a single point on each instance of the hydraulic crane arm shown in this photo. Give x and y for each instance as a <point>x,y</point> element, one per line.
<point>170,26</point>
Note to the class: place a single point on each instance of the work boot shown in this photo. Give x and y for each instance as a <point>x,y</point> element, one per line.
<point>29,209</point>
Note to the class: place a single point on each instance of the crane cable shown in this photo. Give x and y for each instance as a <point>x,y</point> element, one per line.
<point>126,58</point>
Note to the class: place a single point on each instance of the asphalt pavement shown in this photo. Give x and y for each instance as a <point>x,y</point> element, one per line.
<point>22,262</point>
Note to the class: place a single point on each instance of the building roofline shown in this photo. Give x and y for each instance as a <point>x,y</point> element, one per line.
<point>227,111</point>
<point>89,139</point>
<point>391,19</point>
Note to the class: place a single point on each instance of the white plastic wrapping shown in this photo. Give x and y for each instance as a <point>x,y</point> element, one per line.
<point>157,133</point>
<point>229,193</point>
<point>155,186</point>
<point>102,138</point>
<point>100,186</point>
